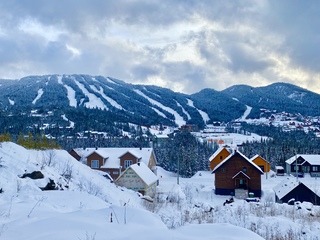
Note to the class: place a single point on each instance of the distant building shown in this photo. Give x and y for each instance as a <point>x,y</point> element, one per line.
<point>304,163</point>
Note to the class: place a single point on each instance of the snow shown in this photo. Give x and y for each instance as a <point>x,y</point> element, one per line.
<point>110,100</point>
<point>59,79</point>
<point>93,208</point>
<point>40,92</point>
<point>71,96</point>
<point>11,101</point>
<point>66,119</point>
<point>178,119</point>
<point>245,114</point>
<point>144,172</point>
<point>183,110</point>
<point>94,101</point>
<point>203,114</point>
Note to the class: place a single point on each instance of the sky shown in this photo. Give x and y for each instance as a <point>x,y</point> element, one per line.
<point>184,45</point>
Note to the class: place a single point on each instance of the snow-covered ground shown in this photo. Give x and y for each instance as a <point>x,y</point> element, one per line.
<point>90,207</point>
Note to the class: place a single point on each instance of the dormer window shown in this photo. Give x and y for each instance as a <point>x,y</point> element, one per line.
<point>127,163</point>
<point>94,163</point>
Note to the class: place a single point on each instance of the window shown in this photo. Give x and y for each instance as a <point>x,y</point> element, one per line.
<point>94,163</point>
<point>115,172</point>
<point>127,163</point>
<point>223,170</point>
<point>315,168</point>
<point>244,169</point>
<point>220,157</point>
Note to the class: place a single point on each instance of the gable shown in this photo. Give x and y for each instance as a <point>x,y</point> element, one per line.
<point>140,171</point>
<point>221,152</point>
<point>239,157</point>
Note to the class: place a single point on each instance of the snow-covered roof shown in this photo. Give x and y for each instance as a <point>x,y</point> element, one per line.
<point>279,168</point>
<point>112,155</point>
<point>216,153</point>
<point>256,156</point>
<point>146,175</point>
<point>287,185</point>
<point>313,159</point>
<point>235,152</point>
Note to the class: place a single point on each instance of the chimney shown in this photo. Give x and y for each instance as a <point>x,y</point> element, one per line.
<point>138,163</point>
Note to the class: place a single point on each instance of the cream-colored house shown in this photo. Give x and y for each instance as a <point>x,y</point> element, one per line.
<point>140,178</point>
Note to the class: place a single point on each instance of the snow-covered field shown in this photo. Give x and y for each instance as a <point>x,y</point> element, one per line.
<point>90,207</point>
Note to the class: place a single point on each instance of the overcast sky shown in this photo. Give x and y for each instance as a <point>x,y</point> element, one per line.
<point>184,45</point>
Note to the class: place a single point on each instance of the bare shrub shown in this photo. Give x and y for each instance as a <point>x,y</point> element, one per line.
<point>48,159</point>
<point>67,171</point>
<point>89,237</point>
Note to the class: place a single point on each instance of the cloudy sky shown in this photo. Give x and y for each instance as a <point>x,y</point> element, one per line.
<point>184,45</point>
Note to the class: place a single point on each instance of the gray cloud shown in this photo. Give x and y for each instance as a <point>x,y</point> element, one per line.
<point>186,44</point>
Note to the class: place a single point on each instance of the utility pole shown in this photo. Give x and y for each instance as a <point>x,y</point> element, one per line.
<point>178,167</point>
<point>296,165</point>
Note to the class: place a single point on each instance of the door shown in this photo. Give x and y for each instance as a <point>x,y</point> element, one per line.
<point>241,183</point>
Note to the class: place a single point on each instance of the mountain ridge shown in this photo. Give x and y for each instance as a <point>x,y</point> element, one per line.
<point>95,102</point>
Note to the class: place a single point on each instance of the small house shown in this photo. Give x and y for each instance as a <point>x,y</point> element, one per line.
<point>304,163</point>
<point>218,156</point>
<point>138,177</point>
<point>237,176</point>
<point>294,189</point>
<point>261,162</point>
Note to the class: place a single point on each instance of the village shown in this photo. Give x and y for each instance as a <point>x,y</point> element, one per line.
<point>235,175</point>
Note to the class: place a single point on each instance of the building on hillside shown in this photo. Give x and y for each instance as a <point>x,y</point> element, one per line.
<point>218,156</point>
<point>261,162</point>
<point>160,139</point>
<point>292,189</point>
<point>138,177</point>
<point>115,160</point>
<point>237,176</point>
<point>304,163</point>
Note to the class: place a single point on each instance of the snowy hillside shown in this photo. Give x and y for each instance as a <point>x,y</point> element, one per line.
<point>86,206</point>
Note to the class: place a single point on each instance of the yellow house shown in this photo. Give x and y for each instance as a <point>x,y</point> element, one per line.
<point>261,162</point>
<point>218,157</point>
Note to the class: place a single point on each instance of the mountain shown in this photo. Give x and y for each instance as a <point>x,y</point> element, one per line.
<point>94,102</point>
<point>81,102</point>
<point>277,96</point>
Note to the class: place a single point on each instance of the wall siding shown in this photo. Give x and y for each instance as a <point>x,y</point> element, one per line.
<point>223,176</point>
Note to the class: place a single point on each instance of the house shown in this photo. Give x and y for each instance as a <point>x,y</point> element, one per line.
<point>261,162</point>
<point>237,175</point>
<point>160,139</point>
<point>115,160</point>
<point>138,177</point>
<point>76,153</point>
<point>304,163</point>
<point>218,156</point>
<point>291,188</point>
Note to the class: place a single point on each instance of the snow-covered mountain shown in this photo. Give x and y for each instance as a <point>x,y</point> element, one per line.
<point>84,101</point>
<point>282,97</point>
